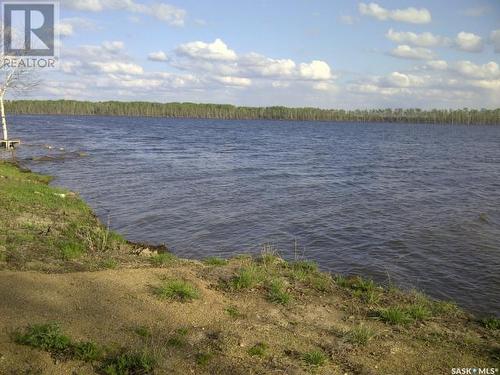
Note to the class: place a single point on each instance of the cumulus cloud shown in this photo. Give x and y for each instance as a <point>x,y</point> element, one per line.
<point>117,67</point>
<point>234,81</point>
<point>164,12</point>
<point>410,15</point>
<point>437,64</point>
<point>217,50</point>
<point>67,26</point>
<point>158,56</point>
<point>404,51</point>
<point>469,42</point>
<point>470,70</point>
<point>425,39</point>
<point>495,39</point>
<point>316,70</point>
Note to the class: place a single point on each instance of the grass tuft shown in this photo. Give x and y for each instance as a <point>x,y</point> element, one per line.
<point>129,363</point>
<point>395,315</point>
<point>203,358</point>
<point>215,261</point>
<point>233,312</point>
<point>143,331</point>
<point>277,292</point>
<point>258,349</point>
<point>247,277</point>
<point>179,290</point>
<point>418,312</point>
<point>491,323</point>
<point>162,259</point>
<point>360,335</point>
<point>314,358</point>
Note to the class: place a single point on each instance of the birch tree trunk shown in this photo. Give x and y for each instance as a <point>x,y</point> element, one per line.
<point>4,122</point>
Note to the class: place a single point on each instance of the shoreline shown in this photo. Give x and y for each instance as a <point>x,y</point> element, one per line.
<point>241,315</point>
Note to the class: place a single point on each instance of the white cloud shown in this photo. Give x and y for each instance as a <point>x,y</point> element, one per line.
<point>234,81</point>
<point>170,14</point>
<point>469,42</point>
<point>486,71</point>
<point>66,26</point>
<point>316,70</point>
<point>114,46</point>
<point>414,53</point>
<point>425,39</point>
<point>438,64</point>
<point>410,15</point>
<point>495,39</point>
<point>118,67</point>
<point>397,79</point>
<point>158,56</point>
<point>216,50</point>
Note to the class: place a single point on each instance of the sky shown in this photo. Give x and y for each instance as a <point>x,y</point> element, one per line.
<point>320,53</point>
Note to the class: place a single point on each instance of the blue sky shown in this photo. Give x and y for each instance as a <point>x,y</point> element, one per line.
<point>322,53</point>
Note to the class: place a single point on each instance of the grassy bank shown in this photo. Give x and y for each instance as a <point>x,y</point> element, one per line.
<point>78,298</point>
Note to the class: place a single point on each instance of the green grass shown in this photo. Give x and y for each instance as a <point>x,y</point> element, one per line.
<point>109,263</point>
<point>129,364</point>
<point>314,358</point>
<point>143,331</point>
<point>491,323</point>
<point>162,259</point>
<point>277,292</point>
<point>247,277</point>
<point>72,250</point>
<point>258,349</point>
<point>418,312</point>
<point>48,337</point>
<point>360,335</point>
<point>234,312</point>
<point>215,261</point>
<point>179,290</point>
<point>203,358</point>
<point>446,308</point>
<point>87,351</point>
<point>176,342</point>
<point>395,315</point>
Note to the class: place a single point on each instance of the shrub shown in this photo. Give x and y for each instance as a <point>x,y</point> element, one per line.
<point>86,351</point>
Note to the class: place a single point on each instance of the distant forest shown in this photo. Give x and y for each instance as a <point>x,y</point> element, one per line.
<point>225,111</point>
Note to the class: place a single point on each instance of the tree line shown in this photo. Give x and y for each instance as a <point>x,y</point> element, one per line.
<point>226,111</point>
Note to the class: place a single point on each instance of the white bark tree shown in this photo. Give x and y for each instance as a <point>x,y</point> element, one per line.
<point>15,78</point>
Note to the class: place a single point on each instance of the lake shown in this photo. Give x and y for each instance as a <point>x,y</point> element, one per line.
<point>418,205</point>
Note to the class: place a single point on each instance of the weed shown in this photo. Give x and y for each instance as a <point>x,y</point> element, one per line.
<point>47,337</point>
<point>175,341</point>
<point>258,349</point>
<point>179,290</point>
<point>215,261</point>
<point>129,363</point>
<point>314,358</point>
<point>86,351</point>
<point>360,335</point>
<point>277,292</point>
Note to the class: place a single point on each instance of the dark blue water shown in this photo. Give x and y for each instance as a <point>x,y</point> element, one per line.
<point>417,203</point>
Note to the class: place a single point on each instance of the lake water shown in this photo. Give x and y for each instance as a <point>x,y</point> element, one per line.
<point>417,203</point>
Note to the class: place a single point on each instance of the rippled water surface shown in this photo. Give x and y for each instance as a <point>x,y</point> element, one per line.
<point>417,203</point>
